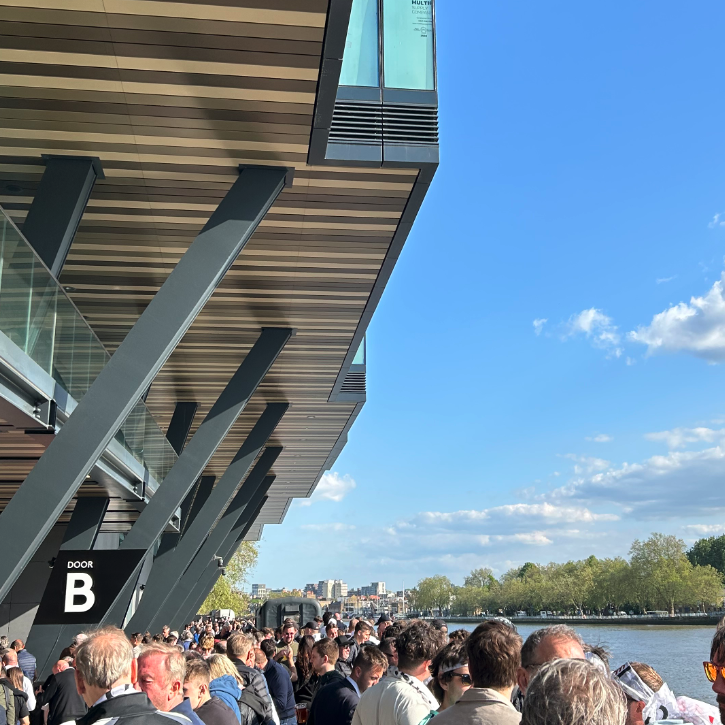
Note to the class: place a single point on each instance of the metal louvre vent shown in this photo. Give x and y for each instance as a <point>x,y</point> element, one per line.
<point>354,382</point>
<point>357,123</point>
<point>375,123</point>
<point>410,124</point>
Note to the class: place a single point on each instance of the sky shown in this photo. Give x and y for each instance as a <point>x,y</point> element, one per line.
<point>546,366</point>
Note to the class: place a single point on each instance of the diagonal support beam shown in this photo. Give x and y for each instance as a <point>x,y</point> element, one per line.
<point>179,579</point>
<point>58,206</point>
<point>81,533</point>
<point>180,425</point>
<point>58,474</point>
<point>212,572</point>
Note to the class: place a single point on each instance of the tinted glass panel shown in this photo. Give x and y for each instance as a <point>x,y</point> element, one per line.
<point>360,63</point>
<point>408,44</point>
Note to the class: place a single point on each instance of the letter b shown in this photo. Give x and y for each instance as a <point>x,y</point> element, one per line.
<point>79,585</point>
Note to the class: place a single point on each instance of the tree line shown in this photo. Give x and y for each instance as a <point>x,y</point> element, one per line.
<point>660,574</point>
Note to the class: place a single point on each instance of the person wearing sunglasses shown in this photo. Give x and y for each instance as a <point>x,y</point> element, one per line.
<point>494,655</point>
<point>450,675</point>
<point>715,668</point>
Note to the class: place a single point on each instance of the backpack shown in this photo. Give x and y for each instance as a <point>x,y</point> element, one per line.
<point>7,704</point>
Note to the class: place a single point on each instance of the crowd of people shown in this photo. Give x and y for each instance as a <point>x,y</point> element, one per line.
<point>227,672</point>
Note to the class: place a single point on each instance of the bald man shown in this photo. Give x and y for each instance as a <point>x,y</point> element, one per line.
<point>60,699</point>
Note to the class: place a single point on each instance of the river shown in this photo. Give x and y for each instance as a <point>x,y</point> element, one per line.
<point>676,652</point>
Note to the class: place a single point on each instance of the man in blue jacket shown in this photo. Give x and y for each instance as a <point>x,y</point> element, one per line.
<point>278,682</point>
<point>335,703</point>
<point>26,661</point>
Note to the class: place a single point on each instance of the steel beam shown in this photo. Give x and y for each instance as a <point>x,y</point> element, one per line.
<point>181,420</point>
<point>58,474</point>
<point>181,576</point>
<point>58,206</point>
<point>212,571</point>
<point>81,533</point>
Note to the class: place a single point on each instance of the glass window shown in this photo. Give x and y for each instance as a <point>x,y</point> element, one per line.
<point>360,63</point>
<point>408,44</point>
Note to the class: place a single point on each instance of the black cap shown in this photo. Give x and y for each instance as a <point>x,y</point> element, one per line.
<point>344,640</point>
<point>384,618</point>
<point>311,625</point>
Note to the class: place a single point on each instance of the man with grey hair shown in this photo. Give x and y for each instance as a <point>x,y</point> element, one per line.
<point>546,645</point>
<point>105,673</point>
<point>573,692</point>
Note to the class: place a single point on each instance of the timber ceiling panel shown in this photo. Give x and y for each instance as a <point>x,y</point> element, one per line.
<point>172,97</point>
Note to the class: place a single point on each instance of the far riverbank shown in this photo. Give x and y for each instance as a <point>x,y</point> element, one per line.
<point>705,620</point>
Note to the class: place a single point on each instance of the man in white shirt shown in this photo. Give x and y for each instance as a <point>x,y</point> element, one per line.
<point>10,659</point>
<point>402,698</point>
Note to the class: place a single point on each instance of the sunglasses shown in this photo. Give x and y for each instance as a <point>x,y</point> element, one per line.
<point>711,671</point>
<point>465,679</point>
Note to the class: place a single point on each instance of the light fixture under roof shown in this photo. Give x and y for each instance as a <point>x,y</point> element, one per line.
<point>311,416</point>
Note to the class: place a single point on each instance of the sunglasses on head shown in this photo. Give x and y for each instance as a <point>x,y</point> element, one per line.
<point>711,671</point>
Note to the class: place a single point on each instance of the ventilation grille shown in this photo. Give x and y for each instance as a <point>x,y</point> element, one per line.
<point>354,383</point>
<point>373,123</point>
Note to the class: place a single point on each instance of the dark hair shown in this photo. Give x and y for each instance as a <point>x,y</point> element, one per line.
<point>439,624</point>
<point>717,648</point>
<point>267,630</point>
<point>267,646</point>
<point>454,653</point>
<point>287,624</point>
<point>326,617</point>
<point>494,655</point>
<point>458,635</point>
<point>362,626</point>
<point>303,663</point>
<point>387,645</point>
<point>417,643</point>
<point>370,657</point>
<point>220,647</point>
<point>327,646</point>
<point>393,630</point>
<point>197,669</point>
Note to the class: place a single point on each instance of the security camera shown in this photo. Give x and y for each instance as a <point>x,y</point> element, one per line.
<point>219,560</point>
<point>224,571</point>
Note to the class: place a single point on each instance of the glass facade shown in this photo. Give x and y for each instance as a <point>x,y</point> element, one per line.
<point>404,40</point>
<point>408,44</point>
<point>361,60</point>
<point>361,354</point>
<point>39,318</point>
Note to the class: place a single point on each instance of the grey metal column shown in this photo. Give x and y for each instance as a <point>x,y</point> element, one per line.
<point>169,597</point>
<point>180,425</point>
<point>58,474</point>
<point>164,579</point>
<point>213,571</point>
<point>199,450</point>
<point>81,533</point>
<point>58,206</point>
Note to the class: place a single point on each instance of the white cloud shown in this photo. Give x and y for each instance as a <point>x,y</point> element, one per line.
<point>600,438</point>
<point>327,528</point>
<point>679,485</point>
<point>587,464</point>
<point>716,222</point>
<point>598,328</point>
<point>704,529</point>
<point>664,280</point>
<point>539,325</point>
<point>332,487</point>
<point>680,437</point>
<point>697,327</point>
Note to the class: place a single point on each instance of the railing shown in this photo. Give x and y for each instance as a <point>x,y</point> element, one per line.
<point>38,317</point>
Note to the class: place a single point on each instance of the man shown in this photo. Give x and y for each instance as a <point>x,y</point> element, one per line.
<point>362,634</point>
<point>165,631</point>
<point>331,630</point>
<point>545,645</point>
<point>494,656</point>
<point>287,641</point>
<point>10,659</point>
<point>384,621</point>
<point>312,629</point>
<point>106,671</point>
<point>161,671</point>
<point>60,697</point>
<point>211,710</point>
<point>26,661</point>
<point>344,643</point>
<point>241,652</point>
<point>403,698</point>
<point>323,659</point>
<point>279,683</point>
<point>714,668</point>
<point>575,692</point>
<point>335,703</point>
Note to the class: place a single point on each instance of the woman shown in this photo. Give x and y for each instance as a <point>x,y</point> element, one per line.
<point>451,677</point>
<point>228,686</point>
<point>22,715</point>
<point>307,681</point>
<point>207,646</point>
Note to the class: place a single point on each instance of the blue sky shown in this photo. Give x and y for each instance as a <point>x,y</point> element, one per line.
<point>581,181</point>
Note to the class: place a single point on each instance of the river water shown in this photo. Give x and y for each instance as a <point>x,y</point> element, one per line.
<point>676,652</point>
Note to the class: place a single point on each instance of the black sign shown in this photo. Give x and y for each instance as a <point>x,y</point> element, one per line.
<point>84,584</point>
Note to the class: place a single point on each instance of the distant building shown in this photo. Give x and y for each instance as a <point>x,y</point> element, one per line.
<point>325,588</point>
<point>375,588</point>
<point>259,591</point>
<point>339,589</point>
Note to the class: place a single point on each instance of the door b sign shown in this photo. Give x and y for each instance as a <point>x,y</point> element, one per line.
<point>84,584</point>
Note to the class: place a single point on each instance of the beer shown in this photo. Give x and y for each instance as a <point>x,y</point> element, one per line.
<point>301,712</point>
